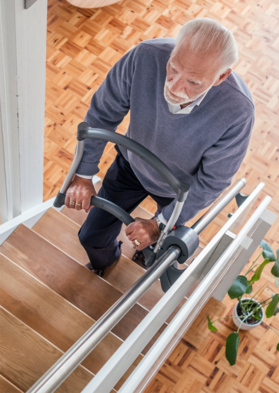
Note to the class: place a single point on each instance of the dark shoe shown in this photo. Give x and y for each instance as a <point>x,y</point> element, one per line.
<point>98,272</point>
<point>139,259</point>
<point>101,272</point>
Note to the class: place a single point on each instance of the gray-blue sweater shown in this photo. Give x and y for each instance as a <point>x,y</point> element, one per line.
<point>204,148</point>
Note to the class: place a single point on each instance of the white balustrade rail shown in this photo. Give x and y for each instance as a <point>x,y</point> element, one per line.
<point>221,260</point>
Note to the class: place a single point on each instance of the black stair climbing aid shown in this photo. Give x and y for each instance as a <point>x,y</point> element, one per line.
<point>185,238</point>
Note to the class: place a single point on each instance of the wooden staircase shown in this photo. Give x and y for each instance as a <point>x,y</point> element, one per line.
<point>49,300</point>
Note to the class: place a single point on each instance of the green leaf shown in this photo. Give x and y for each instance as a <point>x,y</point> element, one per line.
<point>258,272</point>
<point>211,326</point>
<point>277,347</point>
<point>249,289</point>
<point>275,269</point>
<point>258,315</point>
<point>232,347</point>
<point>270,309</point>
<point>267,251</point>
<point>238,288</point>
<point>276,282</point>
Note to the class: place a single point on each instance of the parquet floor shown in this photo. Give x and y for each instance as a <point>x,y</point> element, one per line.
<point>82,45</point>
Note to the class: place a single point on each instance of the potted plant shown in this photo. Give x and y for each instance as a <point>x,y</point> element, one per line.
<point>249,312</point>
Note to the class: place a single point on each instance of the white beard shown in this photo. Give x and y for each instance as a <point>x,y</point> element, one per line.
<point>182,98</point>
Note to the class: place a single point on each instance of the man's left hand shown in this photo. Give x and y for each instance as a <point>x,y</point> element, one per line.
<point>146,232</point>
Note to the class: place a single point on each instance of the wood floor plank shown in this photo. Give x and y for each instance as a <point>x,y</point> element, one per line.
<point>68,278</point>
<point>62,233</point>
<point>49,314</point>
<point>7,387</point>
<point>26,356</point>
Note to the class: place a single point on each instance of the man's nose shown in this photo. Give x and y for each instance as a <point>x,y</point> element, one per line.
<point>176,84</point>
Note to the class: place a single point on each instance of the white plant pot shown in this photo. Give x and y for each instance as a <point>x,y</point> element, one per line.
<point>244,325</point>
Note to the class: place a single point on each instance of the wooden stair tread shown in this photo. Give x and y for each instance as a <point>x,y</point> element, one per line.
<point>49,314</point>
<point>125,273</point>
<point>63,233</point>
<point>7,387</point>
<point>78,216</point>
<point>122,275</point>
<point>69,279</point>
<point>28,356</point>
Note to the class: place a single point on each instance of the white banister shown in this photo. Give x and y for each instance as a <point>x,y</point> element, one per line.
<point>149,365</point>
<point>121,360</point>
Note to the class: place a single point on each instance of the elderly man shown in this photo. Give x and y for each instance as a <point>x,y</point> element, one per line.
<point>189,108</point>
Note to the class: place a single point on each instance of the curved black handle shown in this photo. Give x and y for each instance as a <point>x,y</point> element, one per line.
<point>102,203</point>
<point>181,189</point>
<point>117,211</point>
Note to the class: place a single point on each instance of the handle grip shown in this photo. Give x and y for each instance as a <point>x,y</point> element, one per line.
<point>117,211</point>
<point>102,203</point>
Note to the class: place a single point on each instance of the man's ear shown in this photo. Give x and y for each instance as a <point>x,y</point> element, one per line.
<point>222,77</point>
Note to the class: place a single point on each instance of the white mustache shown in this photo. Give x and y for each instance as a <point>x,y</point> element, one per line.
<point>178,94</point>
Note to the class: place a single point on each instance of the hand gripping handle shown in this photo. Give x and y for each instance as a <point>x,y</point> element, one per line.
<point>85,132</point>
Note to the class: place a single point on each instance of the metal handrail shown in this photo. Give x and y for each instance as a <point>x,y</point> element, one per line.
<point>211,213</point>
<point>125,355</point>
<point>55,376</point>
<point>151,362</point>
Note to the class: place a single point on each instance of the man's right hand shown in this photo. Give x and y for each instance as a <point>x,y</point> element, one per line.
<point>79,194</point>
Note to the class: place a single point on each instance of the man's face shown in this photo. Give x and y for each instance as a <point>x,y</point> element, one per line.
<point>190,75</point>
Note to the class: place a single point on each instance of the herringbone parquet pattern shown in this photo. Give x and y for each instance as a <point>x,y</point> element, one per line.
<point>82,45</point>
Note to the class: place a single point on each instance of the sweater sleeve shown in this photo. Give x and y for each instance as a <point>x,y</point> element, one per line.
<point>216,170</point>
<point>109,105</point>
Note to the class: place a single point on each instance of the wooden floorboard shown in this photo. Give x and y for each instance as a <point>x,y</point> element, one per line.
<point>82,46</point>
<point>49,314</point>
<point>69,279</point>
<point>28,356</point>
<point>7,387</point>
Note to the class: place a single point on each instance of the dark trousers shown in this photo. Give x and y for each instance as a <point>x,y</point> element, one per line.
<point>99,232</point>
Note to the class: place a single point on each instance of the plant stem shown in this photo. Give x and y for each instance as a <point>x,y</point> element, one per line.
<point>218,319</point>
<point>252,266</point>
<point>261,288</point>
<point>249,315</point>
<point>266,300</point>
<point>252,313</point>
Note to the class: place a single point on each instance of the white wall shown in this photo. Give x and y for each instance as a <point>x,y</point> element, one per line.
<point>22,101</point>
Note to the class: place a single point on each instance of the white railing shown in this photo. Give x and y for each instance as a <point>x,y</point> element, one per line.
<point>221,260</point>
<point>208,287</point>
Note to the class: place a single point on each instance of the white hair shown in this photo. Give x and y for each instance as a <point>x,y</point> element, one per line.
<point>206,35</point>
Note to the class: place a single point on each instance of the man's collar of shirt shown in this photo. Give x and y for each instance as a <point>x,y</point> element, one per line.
<point>176,109</point>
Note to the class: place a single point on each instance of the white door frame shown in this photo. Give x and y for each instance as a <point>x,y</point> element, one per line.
<point>22,105</point>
